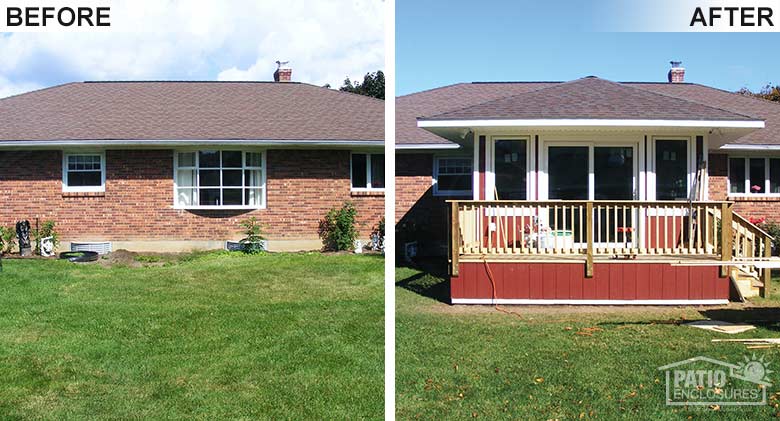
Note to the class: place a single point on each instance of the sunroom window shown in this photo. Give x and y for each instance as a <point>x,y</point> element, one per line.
<point>671,169</point>
<point>83,172</point>
<point>453,176</point>
<point>367,171</point>
<point>754,175</point>
<point>215,178</point>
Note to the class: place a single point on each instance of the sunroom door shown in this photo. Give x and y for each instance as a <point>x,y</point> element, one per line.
<point>614,170</point>
<point>592,171</point>
<point>568,175</point>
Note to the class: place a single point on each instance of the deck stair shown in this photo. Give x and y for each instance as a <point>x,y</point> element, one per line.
<point>747,280</point>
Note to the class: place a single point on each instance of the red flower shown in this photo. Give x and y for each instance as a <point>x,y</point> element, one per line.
<point>756,221</point>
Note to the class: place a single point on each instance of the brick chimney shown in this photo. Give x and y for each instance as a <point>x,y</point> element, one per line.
<point>283,72</point>
<point>676,73</point>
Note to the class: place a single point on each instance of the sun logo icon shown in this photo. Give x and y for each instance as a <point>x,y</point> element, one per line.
<point>754,369</point>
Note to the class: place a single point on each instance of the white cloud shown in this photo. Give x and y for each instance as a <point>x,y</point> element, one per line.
<point>325,41</point>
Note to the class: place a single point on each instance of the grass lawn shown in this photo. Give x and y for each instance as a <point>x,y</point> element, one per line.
<point>456,362</point>
<point>211,336</point>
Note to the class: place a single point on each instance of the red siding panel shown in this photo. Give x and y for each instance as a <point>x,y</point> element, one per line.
<point>535,277</point>
<point>644,281</point>
<point>611,281</point>
<point>629,281</point>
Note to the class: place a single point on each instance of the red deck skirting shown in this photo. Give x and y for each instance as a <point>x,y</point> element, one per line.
<point>611,281</point>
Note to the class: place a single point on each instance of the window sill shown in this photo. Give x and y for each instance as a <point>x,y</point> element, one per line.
<point>83,194</point>
<point>218,208</point>
<point>755,198</point>
<point>367,193</point>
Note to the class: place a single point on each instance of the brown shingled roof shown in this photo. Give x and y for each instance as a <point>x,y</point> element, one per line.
<point>191,111</point>
<point>766,110</point>
<point>590,98</point>
<point>448,98</point>
<point>455,97</point>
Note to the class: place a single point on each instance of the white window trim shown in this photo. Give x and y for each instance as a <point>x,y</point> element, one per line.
<point>767,182</point>
<point>651,179</point>
<point>436,191</point>
<point>490,164</point>
<point>368,187</point>
<point>83,189</point>
<point>244,151</point>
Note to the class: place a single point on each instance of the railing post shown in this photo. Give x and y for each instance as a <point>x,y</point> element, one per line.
<point>767,271</point>
<point>726,246</point>
<point>454,239</point>
<point>589,238</point>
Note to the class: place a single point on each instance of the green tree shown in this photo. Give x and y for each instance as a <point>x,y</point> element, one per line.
<point>373,85</point>
<point>768,92</point>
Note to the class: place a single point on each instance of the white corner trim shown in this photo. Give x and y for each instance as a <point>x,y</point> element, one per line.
<point>520,301</point>
<point>427,146</point>
<point>732,146</point>
<point>573,122</point>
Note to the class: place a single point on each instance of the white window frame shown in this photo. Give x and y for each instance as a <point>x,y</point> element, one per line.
<point>436,164</point>
<point>83,189</point>
<point>490,164</point>
<point>748,191</point>
<point>244,167</point>
<point>368,187</point>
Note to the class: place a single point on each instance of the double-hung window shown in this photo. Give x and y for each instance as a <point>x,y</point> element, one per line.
<point>367,171</point>
<point>760,176</point>
<point>220,179</point>
<point>84,172</point>
<point>452,176</point>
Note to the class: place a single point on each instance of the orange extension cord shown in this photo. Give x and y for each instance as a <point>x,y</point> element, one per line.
<point>493,284</point>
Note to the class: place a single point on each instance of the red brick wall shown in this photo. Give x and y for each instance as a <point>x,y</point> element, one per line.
<point>757,207</point>
<point>420,216</point>
<point>137,204</point>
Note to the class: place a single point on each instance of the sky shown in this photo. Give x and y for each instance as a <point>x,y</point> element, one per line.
<point>443,42</point>
<point>325,42</point>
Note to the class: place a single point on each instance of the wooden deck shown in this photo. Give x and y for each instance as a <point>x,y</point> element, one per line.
<point>677,233</point>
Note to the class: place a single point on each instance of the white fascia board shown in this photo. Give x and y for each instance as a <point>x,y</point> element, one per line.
<point>742,124</point>
<point>732,146</point>
<point>427,146</point>
<point>178,142</point>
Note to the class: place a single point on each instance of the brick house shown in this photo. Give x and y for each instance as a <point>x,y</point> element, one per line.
<point>176,165</point>
<point>549,177</point>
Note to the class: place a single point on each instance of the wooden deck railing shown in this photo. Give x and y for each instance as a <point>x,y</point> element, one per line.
<point>602,228</point>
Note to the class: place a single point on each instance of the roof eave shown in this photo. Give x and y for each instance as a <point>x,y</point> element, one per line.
<point>590,123</point>
<point>66,143</point>
<point>426,146</point>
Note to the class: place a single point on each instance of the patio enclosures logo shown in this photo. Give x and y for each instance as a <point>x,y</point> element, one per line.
<point>703,381</point>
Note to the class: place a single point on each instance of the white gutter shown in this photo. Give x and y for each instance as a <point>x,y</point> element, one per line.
<point>427,146</point>
<point>179,142</point>
<point>573,122</point>
<point>732,146</point>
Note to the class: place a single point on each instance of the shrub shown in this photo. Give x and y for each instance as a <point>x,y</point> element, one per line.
<point>337,230</point>
<point>773,229</point>
<point>7,237</point>
<point>252,243</point>
<point>46,229</point>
